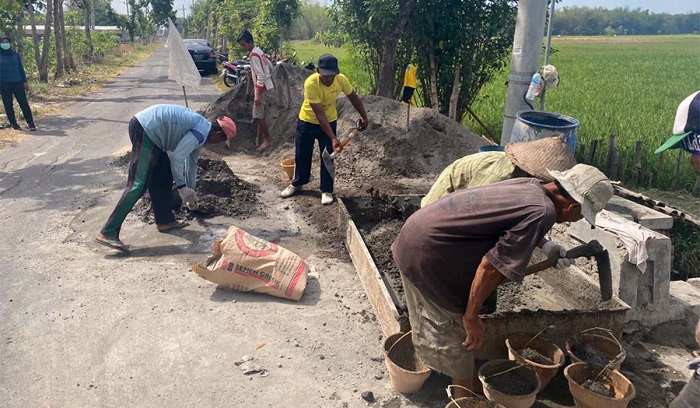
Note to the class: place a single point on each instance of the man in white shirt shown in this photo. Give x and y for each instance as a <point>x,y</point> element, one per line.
<point>261,68</point>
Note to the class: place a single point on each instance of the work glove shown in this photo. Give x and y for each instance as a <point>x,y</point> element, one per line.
<point>553,249</point>
<point>189,197</point>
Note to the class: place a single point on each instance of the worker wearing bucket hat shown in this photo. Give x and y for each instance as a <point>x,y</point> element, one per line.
<point>454,253</point>
<point>154,132</point>
<point>686,130</point>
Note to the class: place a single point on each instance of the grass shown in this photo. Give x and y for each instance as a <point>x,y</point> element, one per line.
<point>356,73</point>
<point>627,86</point>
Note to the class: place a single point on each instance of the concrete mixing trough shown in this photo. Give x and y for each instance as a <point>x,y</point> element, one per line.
<point>571,302</point>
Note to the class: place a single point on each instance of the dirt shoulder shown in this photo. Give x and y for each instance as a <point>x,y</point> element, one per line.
<point>48,98</point>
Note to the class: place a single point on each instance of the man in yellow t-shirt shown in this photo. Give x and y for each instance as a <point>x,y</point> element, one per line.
<point>317,121</point>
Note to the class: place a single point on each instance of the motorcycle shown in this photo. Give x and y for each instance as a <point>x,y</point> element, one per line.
<point>235,72</point>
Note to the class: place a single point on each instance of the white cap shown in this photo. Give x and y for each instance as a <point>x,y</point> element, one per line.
<point>588,186</point>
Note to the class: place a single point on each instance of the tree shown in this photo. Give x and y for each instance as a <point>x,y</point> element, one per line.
<point>44,66</point>
<point>103,13</point>
<point>29,7</point>
<point>58,42</point>
<point>458,45</point>
<point>11,21</point>
<point>86,7</point>
<point>596,21</point>
<point>161,11</point>
<point>312,19</point>
<point>274,21</point>
<point>68,62</point>
<point>387,66</point>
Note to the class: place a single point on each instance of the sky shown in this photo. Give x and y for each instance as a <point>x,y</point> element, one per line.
<point>655,6</point>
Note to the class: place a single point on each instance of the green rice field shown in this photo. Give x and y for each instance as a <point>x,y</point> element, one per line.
<point>629,86</point>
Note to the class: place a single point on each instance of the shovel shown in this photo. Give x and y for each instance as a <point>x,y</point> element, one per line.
<point>592,249</point>
<point>329,158</point>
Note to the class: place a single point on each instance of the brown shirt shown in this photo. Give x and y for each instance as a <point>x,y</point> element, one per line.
<point>441,246</point>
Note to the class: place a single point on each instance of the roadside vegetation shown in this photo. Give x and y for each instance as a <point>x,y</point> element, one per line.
<point>65,56</point>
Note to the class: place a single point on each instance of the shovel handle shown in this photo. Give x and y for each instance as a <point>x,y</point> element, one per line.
<point>344,142</point>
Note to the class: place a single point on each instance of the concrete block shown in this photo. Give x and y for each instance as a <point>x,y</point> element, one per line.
<point>647,294</point>
<point>687,295</point>
<point>643,215</point>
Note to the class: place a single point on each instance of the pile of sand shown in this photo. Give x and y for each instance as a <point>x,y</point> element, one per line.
<point>385,149</point>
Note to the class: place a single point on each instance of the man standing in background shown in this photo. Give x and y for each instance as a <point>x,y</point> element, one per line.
<point>261,68</point>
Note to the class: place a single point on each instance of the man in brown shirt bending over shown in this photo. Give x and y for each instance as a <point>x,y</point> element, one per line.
<point>453,253</point>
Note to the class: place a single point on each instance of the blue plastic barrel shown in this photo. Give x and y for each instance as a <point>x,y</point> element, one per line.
<point>533,125</point>
<point>491,148</point>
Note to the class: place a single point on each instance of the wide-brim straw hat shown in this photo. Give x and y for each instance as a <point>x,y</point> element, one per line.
<point>537,156</point>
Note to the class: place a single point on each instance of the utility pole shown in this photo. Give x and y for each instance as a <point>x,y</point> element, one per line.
<point>186,31</point>
<point>525,60</point>
<point>548,48</point>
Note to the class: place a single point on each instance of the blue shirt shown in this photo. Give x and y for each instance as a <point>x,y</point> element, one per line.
<point>11,68</point>
<point>177,129</point>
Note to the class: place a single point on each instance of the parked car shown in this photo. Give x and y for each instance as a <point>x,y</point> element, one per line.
<point>203,55</point>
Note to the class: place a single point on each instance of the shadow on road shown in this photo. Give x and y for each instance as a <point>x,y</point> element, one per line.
<point>312,294</point>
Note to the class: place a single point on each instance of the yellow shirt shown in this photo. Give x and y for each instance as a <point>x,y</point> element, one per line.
<point>475,170</point>
<point>316,92</point>
<point>409,77</point>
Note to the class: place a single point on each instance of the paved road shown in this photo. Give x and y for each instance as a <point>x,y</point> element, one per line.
<point>84,328</point>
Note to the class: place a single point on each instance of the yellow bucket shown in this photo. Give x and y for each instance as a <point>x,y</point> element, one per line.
<point>288,166</point>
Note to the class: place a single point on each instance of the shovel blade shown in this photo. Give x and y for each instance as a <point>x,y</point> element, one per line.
<point>329,162</point>
<point>604,275</point>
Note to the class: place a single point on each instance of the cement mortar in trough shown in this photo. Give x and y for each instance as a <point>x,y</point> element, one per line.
<point>568,299</point>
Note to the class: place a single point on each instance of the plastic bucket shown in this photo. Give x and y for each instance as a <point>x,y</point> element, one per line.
<point>533,125</point>
<point>546,372</point>
<point>492,148</point>
<point>509,400</point>
<point>288,166</point>
<point>406,372</point>
<point>578,373</point>
<point>604,344</point>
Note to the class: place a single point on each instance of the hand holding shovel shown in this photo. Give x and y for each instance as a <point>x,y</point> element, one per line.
<point>329,158</point>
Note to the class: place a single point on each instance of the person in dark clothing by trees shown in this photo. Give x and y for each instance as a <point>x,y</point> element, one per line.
<point>13,82</point>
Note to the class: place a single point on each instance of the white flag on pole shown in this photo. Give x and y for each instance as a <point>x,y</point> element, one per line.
<point>182,69</point>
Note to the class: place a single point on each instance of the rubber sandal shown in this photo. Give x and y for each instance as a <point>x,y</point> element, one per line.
<point>174,226</point>
<point>113,244</point>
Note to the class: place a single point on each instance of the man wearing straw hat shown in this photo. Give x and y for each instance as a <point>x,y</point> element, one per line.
<point>526,159</point>
<point>453,253</point>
